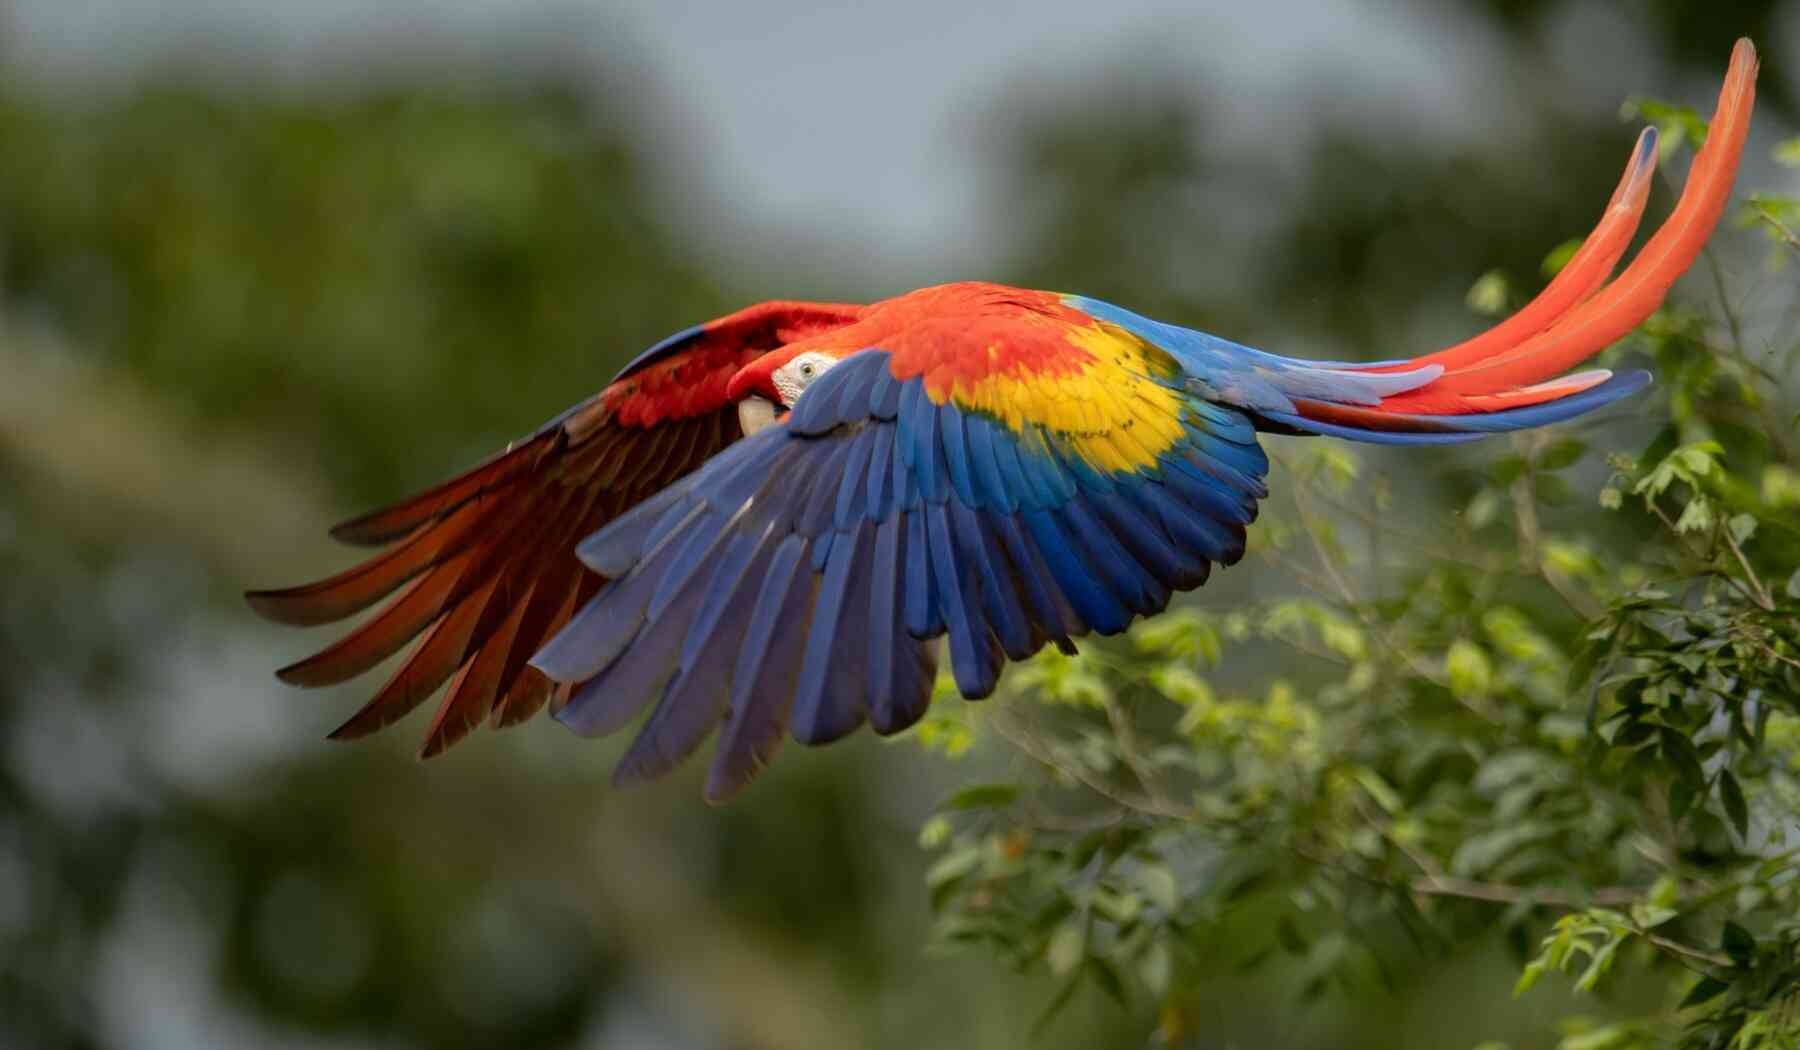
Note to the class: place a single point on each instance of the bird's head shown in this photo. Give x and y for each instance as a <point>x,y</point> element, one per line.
<point>766,388</point>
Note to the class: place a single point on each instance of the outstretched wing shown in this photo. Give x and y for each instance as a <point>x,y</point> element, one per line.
<point>484,563</point>
<point>1019,476</point>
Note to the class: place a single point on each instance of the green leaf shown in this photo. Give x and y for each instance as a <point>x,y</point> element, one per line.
<point>1379,790</point>
<point>1598,966</point>
<point>1506,469</point>
<point>1681,753</point>
<point>1289,936</point>
<point>1481,853</point>
<point>1586,659</point>
<point>1467,666</point>
<point>1697,516</point>
<point>954,865</point>
<point>1738,943</point>
<point>1180,685</point>
<point>1704,990</point>
<point>1489,294</point>
<point>1606,1037</point>
<point>1063,995</point>
<point>1650,916</point>
<point>1160,886</point>
<point>1483,509</point>
<point>1780,486</point>
<point>983,796</point>
<point>1559,256</point>
<point>1529,977</point>
<point>1681,797</point>
<point>1068,946</point>
<point>1157,967</point>
<point>1731,794</point>
<point>1108,979</point>
<point>1562,454</point>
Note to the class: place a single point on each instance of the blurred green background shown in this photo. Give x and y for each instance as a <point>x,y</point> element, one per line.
<point>264,266</point>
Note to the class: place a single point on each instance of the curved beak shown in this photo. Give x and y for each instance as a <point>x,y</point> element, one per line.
<point>755,413</point>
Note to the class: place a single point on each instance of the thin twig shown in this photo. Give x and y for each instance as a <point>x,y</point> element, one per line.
<point>1358,609</point>
<point>1500,893</point>
<point>1126,734</point>
<point>1676,948</point>
<point>1531,551</point>
<point>1731,318</point>
<point>1763,599</point>
<point>1026,740</point>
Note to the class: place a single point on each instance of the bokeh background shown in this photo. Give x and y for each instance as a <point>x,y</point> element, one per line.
<point>264,265</point>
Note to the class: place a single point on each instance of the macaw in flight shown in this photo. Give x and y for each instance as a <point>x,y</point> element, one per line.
<point>766,522</point>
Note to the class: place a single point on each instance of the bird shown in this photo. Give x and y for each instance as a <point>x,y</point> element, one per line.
<point>775,523</point>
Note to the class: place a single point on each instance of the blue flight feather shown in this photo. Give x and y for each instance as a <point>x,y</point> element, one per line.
<point>972,659</point>
<point>1206,494</point>
<point>883,468</point>
<point>613,550</point>
<point>739,568</point>
<point>1145,539</point>
<point>608,701</point>
<point>922,617</point>
<point>999,596</point>
<point>1118,571</point>
<point>990,485</point>
<point>956,454</point>
<point>1097,607</point>
<point>809,695</point>
<point>597,634</point>
<point>829,699</point>
<point>689,560</point>
<point>827,469</point>
<point>1050,610</point>
<point>917,677</point>
<point>1019,491</point>
<point>853,486</point>
<point>885,622</point>
<point>762,682</point>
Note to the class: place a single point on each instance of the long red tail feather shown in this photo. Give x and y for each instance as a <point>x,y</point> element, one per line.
<point>1508,366</point>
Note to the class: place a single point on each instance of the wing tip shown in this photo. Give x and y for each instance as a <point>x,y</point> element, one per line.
<point>353,728</point>
<point>276,606</point>
<point>441,740</point>
<point>312,604</point>
<point>721,789</point>
<point>300,674</point>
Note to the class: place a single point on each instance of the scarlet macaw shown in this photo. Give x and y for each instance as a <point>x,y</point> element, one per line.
<point>1009,468</point>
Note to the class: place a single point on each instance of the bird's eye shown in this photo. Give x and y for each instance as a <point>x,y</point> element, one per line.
<point>808,370</point>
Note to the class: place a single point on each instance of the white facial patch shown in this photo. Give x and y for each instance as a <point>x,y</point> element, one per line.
<point>755,413</point>
<point>792,379</point>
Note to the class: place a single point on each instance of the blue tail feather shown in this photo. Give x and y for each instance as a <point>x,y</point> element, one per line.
<point>1455,429</point>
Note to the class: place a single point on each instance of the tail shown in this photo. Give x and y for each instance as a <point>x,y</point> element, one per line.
<point>1503,378</point>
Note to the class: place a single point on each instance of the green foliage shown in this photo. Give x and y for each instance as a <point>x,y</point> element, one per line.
<point>1577,729</point>
<point>332,267</point>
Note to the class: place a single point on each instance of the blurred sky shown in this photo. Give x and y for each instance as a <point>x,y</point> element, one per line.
<point>782,115</point>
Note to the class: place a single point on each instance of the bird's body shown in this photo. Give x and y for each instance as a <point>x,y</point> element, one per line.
<point>1002,467</point>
